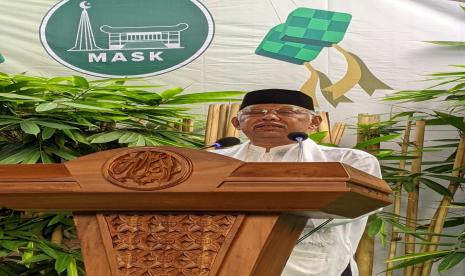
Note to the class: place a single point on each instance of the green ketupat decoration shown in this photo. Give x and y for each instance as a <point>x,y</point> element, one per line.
<point>2,59</point>
<point>300,40</point>
<point>272,46</point>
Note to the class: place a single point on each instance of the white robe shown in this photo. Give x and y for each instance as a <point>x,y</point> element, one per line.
<point>328,251</point>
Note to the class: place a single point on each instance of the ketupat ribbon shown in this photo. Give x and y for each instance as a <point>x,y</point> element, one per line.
<point>310,85</point>
<point>357,73</point>
<point>350,79</point>
<point>369,82</point>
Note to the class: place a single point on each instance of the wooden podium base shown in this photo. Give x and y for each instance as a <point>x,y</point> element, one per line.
<point>173,244</point>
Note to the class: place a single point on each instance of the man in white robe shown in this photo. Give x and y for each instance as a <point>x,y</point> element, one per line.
<point>266,117</point>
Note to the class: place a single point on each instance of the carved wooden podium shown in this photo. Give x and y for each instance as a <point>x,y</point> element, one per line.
<point>171,211</point>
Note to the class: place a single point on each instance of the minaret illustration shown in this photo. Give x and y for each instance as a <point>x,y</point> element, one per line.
<point>85,40</point>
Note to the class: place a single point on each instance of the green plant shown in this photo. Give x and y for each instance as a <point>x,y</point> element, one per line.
<point>440,175</point>
<point>50,120</point>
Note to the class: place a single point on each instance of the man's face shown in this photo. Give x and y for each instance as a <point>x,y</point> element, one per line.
<point>271,123</point>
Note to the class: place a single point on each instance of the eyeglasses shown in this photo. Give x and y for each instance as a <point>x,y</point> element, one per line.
<point>285,111</point>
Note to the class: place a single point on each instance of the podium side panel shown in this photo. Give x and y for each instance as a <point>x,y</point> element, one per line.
<point>262,245</point>
<point>93,250</point>
<point>279,245</point>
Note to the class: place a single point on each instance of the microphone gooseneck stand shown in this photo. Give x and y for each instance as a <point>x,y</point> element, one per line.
<point>299,137</point>
<point>224,143</point>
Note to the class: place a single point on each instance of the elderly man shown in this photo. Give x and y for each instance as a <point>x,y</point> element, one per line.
<point>266,117</point>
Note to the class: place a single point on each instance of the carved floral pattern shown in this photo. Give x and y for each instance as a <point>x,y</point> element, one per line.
<point>167,245</point>
<point>148,169</point>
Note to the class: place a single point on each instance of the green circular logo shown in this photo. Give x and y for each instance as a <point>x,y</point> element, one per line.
<point>115,38</point>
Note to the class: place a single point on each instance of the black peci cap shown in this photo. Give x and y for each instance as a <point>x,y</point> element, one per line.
<point>278,96</point>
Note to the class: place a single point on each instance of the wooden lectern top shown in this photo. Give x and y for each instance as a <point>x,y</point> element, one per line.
<point>180,179</point>
<point>172,211</point>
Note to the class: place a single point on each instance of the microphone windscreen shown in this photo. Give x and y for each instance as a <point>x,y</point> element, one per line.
<point>228,142</point>
<point>294,136</point>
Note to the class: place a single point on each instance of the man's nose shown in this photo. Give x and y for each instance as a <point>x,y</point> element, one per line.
<point>270,115</point>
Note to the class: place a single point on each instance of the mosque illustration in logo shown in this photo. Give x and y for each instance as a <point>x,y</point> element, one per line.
<point>126,38</point>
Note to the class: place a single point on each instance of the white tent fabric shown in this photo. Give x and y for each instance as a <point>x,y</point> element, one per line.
<point>387,35</point>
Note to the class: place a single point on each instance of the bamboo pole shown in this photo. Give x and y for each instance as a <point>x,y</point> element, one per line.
<point>231,131</point>
<point>413,197</point>
<point>187,125</point>
<point>397,197</point>
<point>365,249</point>
<point>443,208</point>
<point>222,118</point>
<point>325,126</point>
<point>212,124</point>
<point>337,132</point>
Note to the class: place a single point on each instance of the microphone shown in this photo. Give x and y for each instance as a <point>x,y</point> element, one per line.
<point>224,142</point>
<point>299,137</point>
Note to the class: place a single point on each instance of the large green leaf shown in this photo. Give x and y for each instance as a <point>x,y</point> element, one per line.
<point>13,96</point>
<point>205,97</point>
<point>435,186</point>
<point>451,260</point>
<point>106,137</point>
<point>429,255</point>
<point>55,125</point>
<point>35,259</point>
<point>448,177</point>
<point>65,154</point>
<point>411,262</point>
<point>377,140</point>
<point>11,245</point>
<point>170,93</point>
<point>374,225</point>
<point>318,136</point>
<point>47,133</point>
<point>46,106</point>
<point>128,137</point>
<point>455,121</point>
<point>33,157</point>
<point>85,106</point>
<point>448,43</point>
<point>72,269</point>
<point>30,127</point>
<point>62,262</point>
<point>80,82</point>
<point>17,157</point>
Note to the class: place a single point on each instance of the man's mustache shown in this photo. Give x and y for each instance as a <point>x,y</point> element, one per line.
<point>269,124</point>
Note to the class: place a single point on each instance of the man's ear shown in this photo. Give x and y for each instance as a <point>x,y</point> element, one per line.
<point>316,121</point>
<point>235,122</point>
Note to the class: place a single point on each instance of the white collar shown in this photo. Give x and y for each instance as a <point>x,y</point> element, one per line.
<point>312,152</point>
<point>273,149</point>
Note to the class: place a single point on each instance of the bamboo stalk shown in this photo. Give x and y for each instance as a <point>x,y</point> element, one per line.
<point>397,197</point>
<point>187,125</point>
<point>443,208</point>
<point>413,197</point>
<point>179,126</point>
<point>231,131</point>
<point>222,117</point>
<point>337,132</point>
<point>365,250</point>
<point>325,126</point>
<point>212,124</point>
